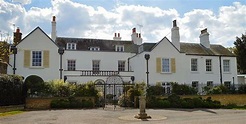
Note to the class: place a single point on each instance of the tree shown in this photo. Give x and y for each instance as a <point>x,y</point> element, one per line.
<point>4,56</point>
<point>240,52</point>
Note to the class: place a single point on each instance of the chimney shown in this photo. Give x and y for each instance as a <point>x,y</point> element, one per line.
<point>117,37</point>
<point>175,37</point>
<point>53,32</point>
<point>204,38</point>
<point>136,37</point>
<point>17,36</point>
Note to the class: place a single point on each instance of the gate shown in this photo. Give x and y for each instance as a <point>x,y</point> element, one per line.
<point>111,90</point>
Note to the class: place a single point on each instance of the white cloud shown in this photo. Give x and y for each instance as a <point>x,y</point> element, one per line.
<point>23,2</point>
<point>80,20</point>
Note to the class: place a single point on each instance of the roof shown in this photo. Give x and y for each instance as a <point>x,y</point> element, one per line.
<point>198,49</point>
<point>84,44</point>
<point>195,49</point>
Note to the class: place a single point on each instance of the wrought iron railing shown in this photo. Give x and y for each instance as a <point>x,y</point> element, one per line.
<point>98,73</point>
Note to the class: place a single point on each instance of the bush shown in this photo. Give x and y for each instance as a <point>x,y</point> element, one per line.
<point>71,103</point>
<point>175,101</point>
<point>242,89</point>
<point>11,90</point>
<point>181,89</point>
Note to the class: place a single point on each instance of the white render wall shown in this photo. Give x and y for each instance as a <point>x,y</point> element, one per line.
<point>108,62</point>
<point>37,41</point>
<point>183,74</point>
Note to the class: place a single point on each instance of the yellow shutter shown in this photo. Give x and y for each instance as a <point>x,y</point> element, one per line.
<point>173,65</point>
<point>46,59</point>
<point>27,58</point>
<point>158,65</point>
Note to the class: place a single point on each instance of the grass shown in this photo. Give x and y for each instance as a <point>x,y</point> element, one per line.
<point>10,113</point>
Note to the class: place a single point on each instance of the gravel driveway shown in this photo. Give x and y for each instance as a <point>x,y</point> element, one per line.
<point>126,116</point>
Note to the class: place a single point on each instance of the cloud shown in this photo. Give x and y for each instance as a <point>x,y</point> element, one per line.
<point>23,2</point>
<point>80,20</point>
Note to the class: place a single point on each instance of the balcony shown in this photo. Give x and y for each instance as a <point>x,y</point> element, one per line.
<point>98,73</point>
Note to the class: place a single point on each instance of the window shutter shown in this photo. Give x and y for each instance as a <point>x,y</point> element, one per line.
<point>27,58</point>
<point>46,59</point>
<point>158,65</point>
<point>173,65</point>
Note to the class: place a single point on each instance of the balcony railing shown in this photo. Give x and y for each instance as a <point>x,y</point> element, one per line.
<point>98,73</point>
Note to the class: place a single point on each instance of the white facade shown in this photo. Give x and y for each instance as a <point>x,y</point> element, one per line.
<point>169,61</point>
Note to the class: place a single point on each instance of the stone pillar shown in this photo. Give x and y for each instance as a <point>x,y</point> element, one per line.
<point>142,107</point>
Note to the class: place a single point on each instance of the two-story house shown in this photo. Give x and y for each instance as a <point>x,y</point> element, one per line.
<point>81,60</point>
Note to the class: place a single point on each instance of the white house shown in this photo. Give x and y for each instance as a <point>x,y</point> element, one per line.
<point>81,60</point>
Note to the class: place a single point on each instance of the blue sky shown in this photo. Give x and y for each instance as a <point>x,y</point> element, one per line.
<point>225,19</point>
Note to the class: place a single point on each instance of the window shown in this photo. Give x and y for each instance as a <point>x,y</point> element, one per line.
<point>96,66</point>
<point>226,65</point>
<point>210,83</point>
<point>193,64</point>
<point>227,84</point>
<point>165,65</point>
<point>95,48</point>
<point>166,87</point>
<point>71,46</point>
<point>195,84</point>
<point>121,65</point>
<point>209,65</point>
<point>36,58</point>
<point>119,48</point>
<point>71,65</point>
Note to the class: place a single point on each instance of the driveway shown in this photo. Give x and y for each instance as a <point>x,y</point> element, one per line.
<point>126,116</point>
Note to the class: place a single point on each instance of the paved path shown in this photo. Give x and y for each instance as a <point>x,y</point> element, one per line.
<point>125,116</point>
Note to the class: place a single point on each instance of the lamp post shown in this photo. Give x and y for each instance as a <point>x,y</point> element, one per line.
<point>60,51</point>
<point>14,50</point>
<point>132,79</point>
<point>147,57</point>
<point>142,99</point>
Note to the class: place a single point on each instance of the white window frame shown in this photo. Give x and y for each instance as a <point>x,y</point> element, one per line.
<point>195,84</point>
<point>209,65</point>
<point>71,66</point>
<point>71,46</point>
<point>119,48</point>
<point>228,84</point>
<point>194,66</point>
<point>95,66</point>
<point>164,66</point>
<point>226,68</point>
<point>32,59</point>
<point>210,83</point>
<point>167,87</point>
<point>121,65</point>
<point>94,48</point>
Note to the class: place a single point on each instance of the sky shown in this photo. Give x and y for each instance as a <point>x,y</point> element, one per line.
<point>100,19</point>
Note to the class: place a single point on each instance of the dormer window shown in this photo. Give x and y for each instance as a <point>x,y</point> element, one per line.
<point>94,48</point>
<point>119,48</point>
<point>71,46</point>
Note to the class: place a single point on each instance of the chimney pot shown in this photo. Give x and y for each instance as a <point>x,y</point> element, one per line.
<point>115,35</point>
<point>54,18</point>
<point>204,31</point>
<point>118,34</point>
<point>134,30</point>
<point>18,30</point>
<point>174,23</point>
<point>139,35</point>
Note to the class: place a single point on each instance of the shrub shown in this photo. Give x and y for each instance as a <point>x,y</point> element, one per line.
<point>181,89</point>
<point>71,103</point>
<point>175,100</point>
<point>242,89</point>
<point>11,90</point>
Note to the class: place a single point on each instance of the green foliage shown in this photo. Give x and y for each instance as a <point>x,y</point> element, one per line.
<point>240,51</point>
<point>242,89</point>
<point>87,89</point>
<point>4,56</point>
<point>155,90</point>
<point>174,101</point>
<point>11,90</point>
<point>181,89</point>
<point>221,89</point>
